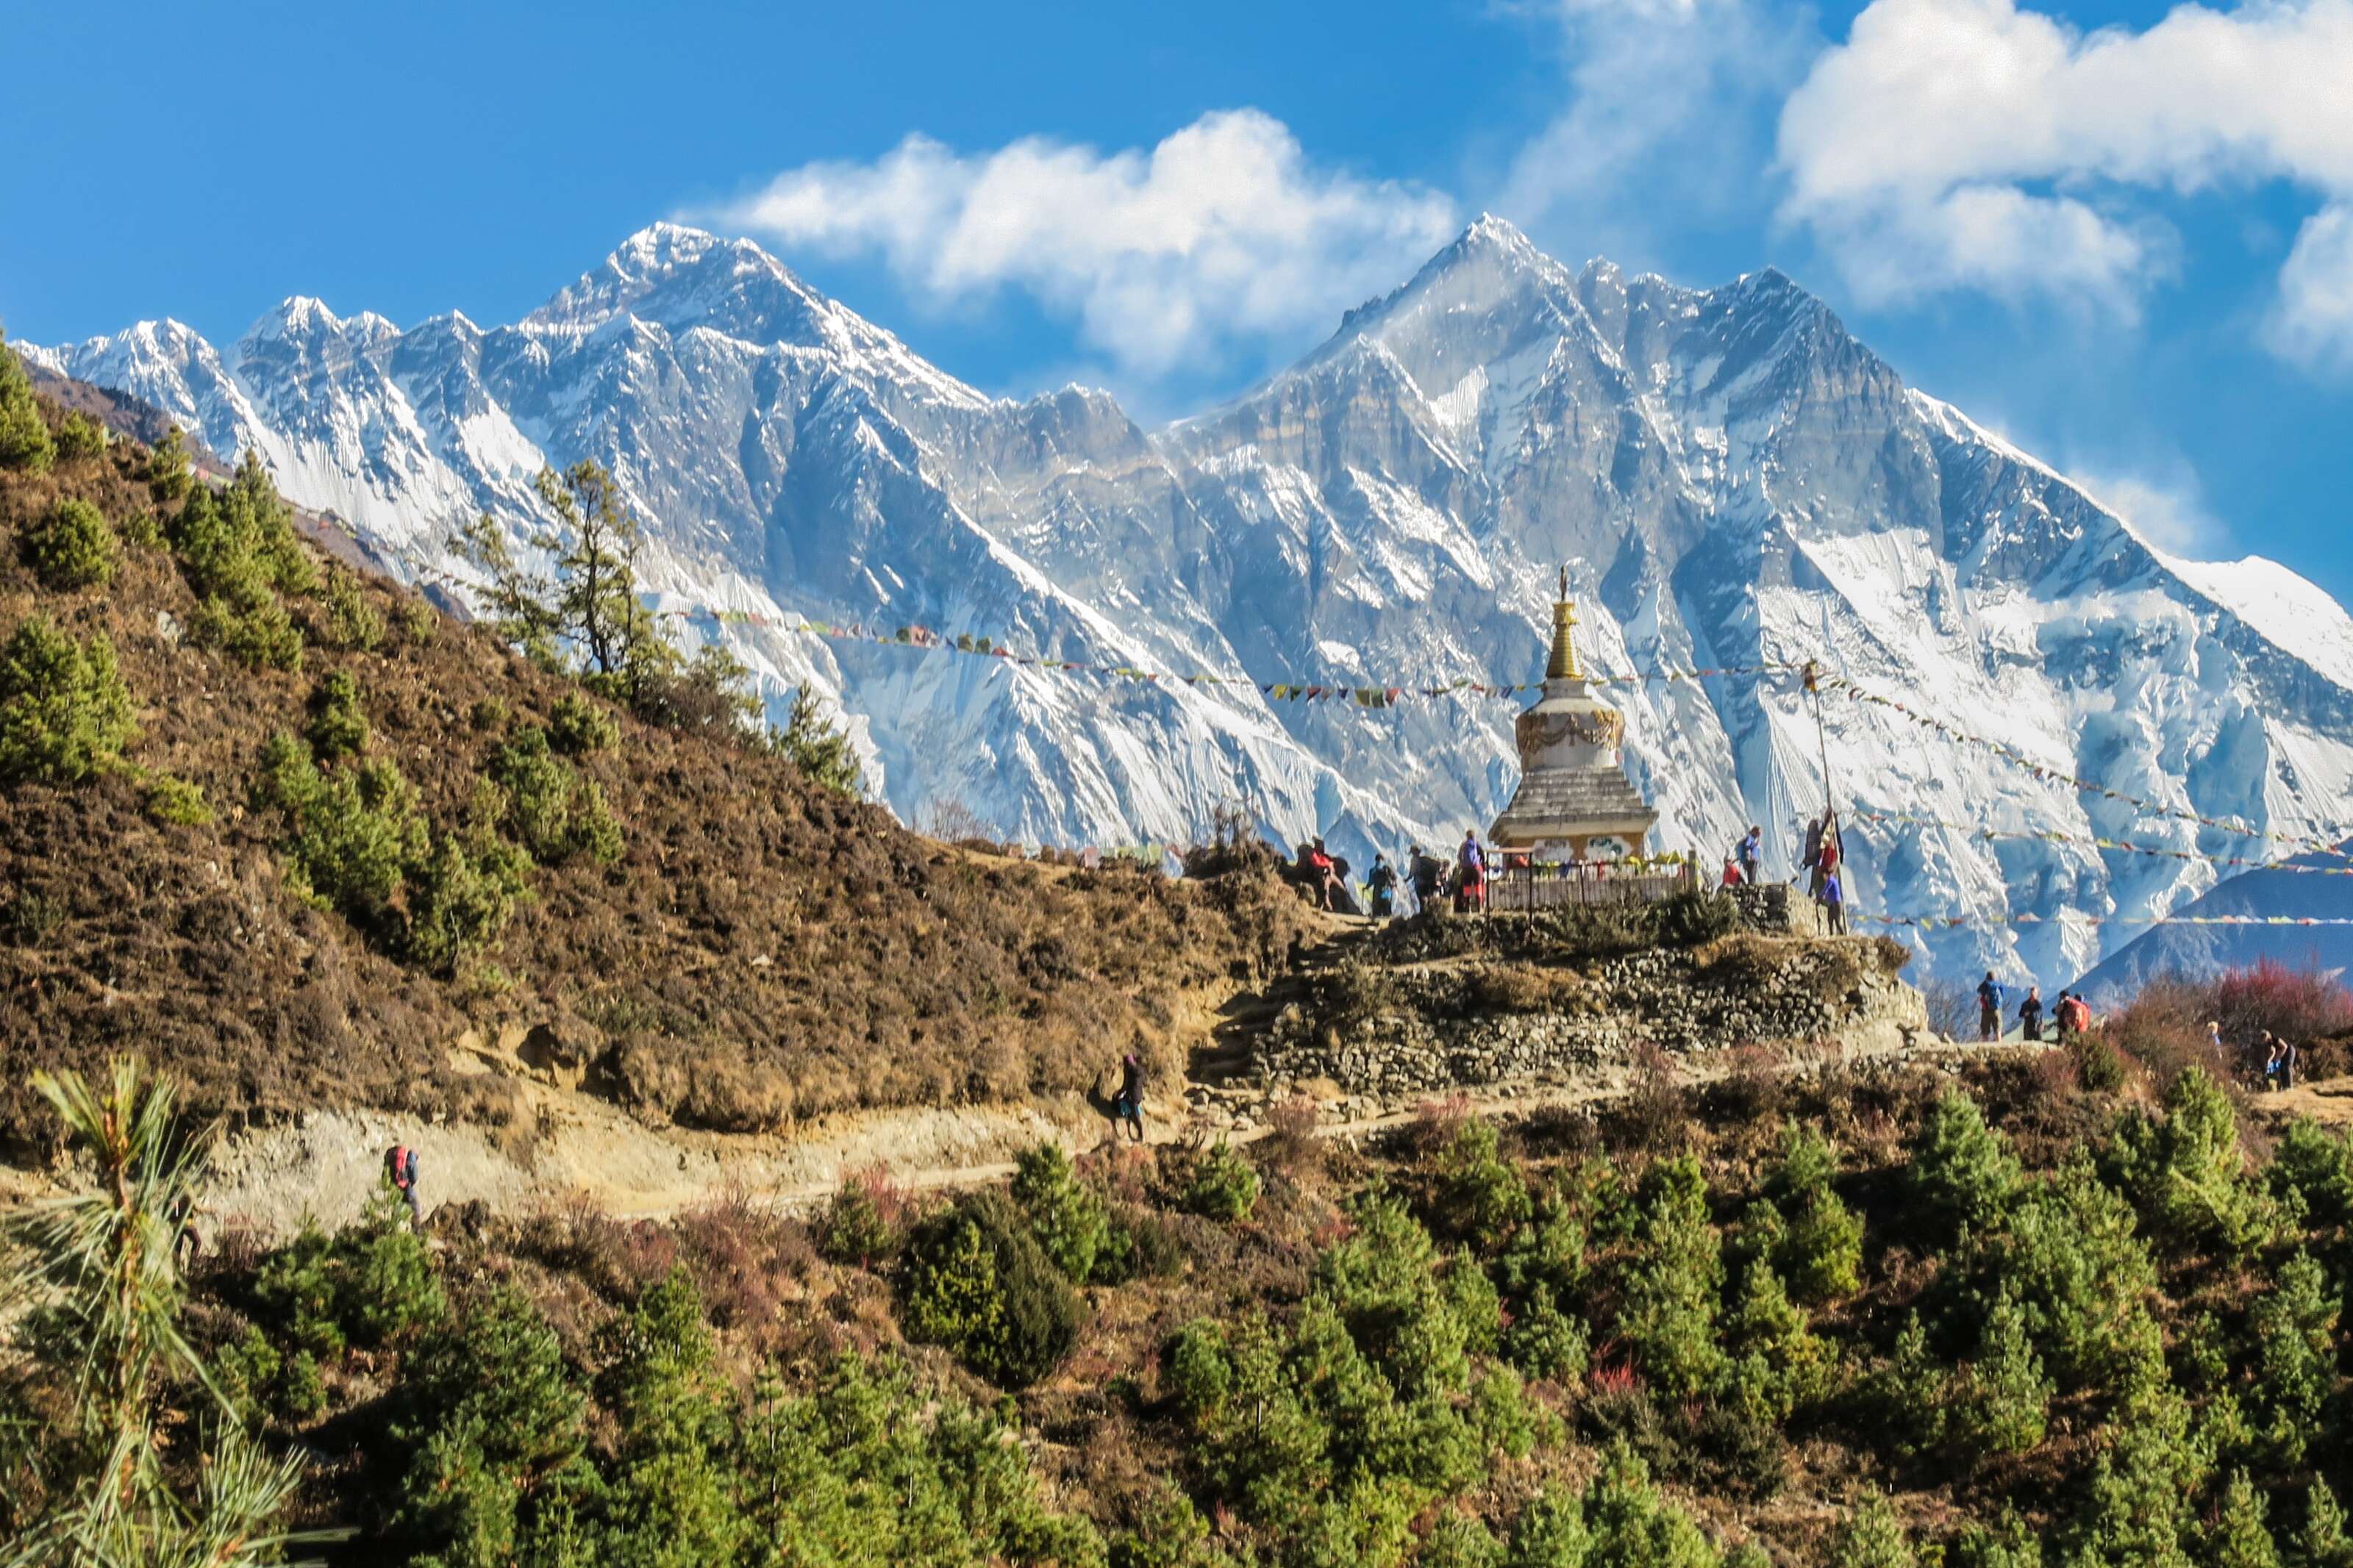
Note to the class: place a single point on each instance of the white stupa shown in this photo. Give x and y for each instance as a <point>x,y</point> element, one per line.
<point>1574,801</point>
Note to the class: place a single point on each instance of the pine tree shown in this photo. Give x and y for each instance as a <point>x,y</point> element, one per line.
<point>1064,1212</point>
<point>2010,1545</point>
<point>2322,1542</point>
<point>2138,1507</point>
<point>2239,1538</point>
<point>1820,1251</point>
<point>2296,1357</point>
<point>71,547</point>
<point>167,467</point>
<point>1627,1522</point>
<point>493,1428</point>
<point>2188,1173</point>
<point>81,439</point>
<point>1909,1391</point>
<point>595,544</point>
<point>1963,1175</point>
<point>1871,1537</point>
<point>264,524</point>
<point>821,751</point>
<point>520,601</point>
<point>1550,1533</point>
<point>97,1272</point>
<point>1668,1310</point>
<point>65,713</point>
<point>24,442</point>
<point>1766,1326</point>
<point>671,1502</point>
<point>2006,1399</point>
<point>339,726</point>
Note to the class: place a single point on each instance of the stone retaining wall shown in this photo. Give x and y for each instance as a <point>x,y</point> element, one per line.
<point>1390,1032</point>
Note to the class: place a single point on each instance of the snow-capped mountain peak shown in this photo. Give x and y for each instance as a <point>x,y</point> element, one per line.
<point>679,277</point>
<point>1732,478</point>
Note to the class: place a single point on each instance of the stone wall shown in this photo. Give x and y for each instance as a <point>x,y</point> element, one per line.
<point>1773,906</point>
<point>1385,1033</point>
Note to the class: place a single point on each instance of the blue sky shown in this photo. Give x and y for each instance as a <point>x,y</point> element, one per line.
<point>2121,237</point>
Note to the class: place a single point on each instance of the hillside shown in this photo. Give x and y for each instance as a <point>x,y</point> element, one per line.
<point>2029,1308</point>
<point>756,950</point>
<point>1732,477</point>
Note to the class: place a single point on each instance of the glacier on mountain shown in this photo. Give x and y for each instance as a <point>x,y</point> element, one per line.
<point>1729,476</point>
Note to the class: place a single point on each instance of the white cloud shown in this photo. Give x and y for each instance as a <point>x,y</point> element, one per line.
<point>1668,116</point>
<point>2168,508</point>
<point>2313,322</point>
<point>1971,144</point>
<point>1222,237</point>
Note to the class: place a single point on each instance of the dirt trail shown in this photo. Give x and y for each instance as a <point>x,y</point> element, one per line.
<point>2328,1102</point>
<point>324,1167</point>
<point>573,1146</point>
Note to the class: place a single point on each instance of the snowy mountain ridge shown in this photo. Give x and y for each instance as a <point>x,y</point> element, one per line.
<point>1732,479</point>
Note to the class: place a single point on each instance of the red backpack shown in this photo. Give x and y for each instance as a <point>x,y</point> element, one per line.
<point>401,1166</point>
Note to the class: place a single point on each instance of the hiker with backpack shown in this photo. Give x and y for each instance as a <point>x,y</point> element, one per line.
<point>400,1170</point>
<point>1989,1008</point>
<point>1382,886</point>
<point>1750,852</point>
<point>1127,1106</point>
<point>1424,872</point>
<point>1471,863</point>
<point>2029,1016</point>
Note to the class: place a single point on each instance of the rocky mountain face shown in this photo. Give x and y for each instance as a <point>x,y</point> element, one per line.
<point>1730,478</point>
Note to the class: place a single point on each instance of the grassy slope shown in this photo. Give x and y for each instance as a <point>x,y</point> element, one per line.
<point>763,949</point>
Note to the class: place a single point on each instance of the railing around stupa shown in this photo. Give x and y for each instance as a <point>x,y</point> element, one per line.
<point>1520,887</point>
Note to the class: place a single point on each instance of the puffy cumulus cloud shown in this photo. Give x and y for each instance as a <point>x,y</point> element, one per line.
<point>1220,239</point>
<point>1969,143</point>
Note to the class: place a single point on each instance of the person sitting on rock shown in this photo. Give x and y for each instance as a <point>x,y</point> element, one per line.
<point>1732,877</point>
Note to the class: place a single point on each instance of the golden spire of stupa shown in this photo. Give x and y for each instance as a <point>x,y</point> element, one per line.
<point>1562,665</point>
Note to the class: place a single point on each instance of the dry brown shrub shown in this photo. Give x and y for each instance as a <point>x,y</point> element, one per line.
<point>1656,1115</point>
<point>1742,959</point>
<point>747,1260</point>
<point>1554,1128</point>
<point>1522,988</point>
<point>615,1257</point>
<point>1291,1142</point>
<point>1754,1090</point>
<point>1838,970</point>
<point>1436,1123</point>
